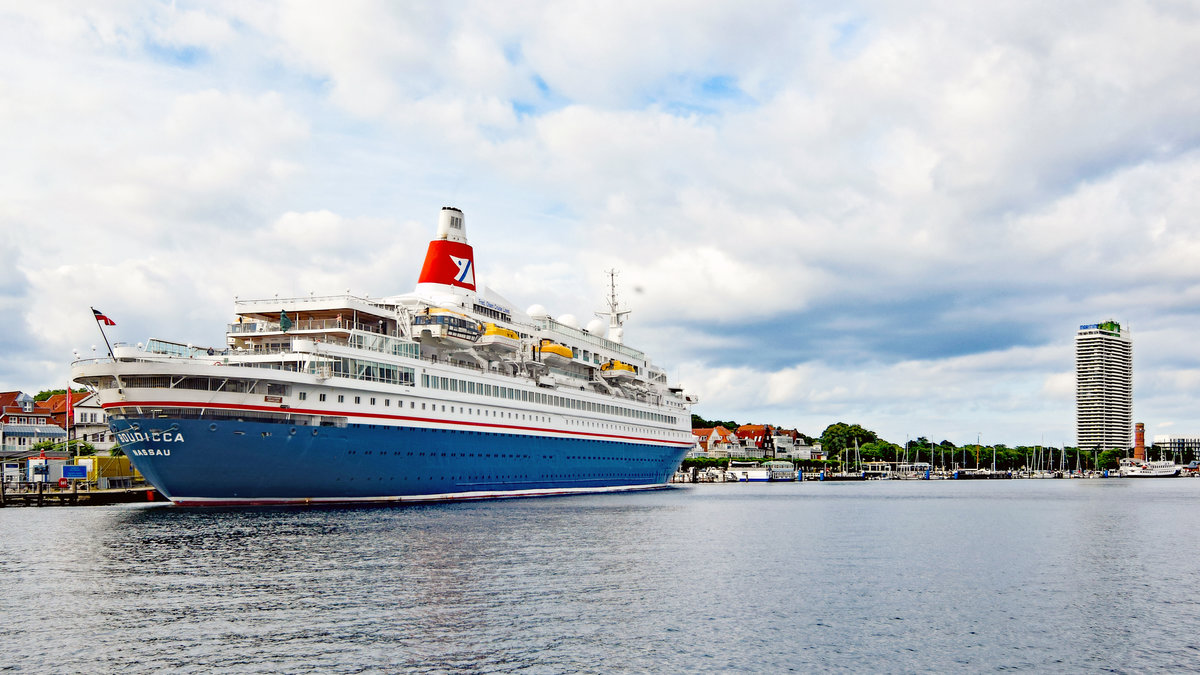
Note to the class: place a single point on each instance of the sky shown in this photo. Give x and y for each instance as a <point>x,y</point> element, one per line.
<point>895,214</point>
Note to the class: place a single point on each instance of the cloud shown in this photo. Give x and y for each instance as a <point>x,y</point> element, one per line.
<point>891,212</point>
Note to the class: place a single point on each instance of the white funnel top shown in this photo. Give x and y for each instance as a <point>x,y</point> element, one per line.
<point>451,225</point>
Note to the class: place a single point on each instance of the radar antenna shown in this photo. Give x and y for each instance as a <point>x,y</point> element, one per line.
<point>615,315</point>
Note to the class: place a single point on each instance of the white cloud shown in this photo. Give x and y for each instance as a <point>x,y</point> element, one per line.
<point>1013,167</point>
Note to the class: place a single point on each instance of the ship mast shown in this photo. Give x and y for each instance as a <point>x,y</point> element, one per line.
<point>615,315</point>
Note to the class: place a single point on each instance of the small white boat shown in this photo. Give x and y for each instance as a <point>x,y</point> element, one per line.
<point>913,471</point>
<point>1140,468</point>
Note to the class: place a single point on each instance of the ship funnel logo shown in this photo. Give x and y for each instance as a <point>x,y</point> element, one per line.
<point>465,275</point>
<point>449,263</point>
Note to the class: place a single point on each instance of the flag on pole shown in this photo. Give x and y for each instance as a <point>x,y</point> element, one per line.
<point>70,409</point>
<point>100,317</point>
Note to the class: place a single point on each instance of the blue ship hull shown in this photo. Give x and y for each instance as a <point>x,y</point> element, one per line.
<point>198,461</point>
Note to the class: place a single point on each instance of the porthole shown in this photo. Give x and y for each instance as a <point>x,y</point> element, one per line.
<point>292,431</point>
<point>212,427</point>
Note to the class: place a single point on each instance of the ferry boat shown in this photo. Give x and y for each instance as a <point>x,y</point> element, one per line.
<point>752,472</point>
<point>780,471</point>
<point>437,394</point>
<point>1140,468</point>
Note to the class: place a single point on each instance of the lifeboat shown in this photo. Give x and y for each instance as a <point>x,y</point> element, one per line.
<point>449,328</point>
<point>498,338</point>
<point>554,354</point>
<point>617,370</point>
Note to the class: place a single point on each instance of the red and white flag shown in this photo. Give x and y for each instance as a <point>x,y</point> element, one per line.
<point>104,319</point>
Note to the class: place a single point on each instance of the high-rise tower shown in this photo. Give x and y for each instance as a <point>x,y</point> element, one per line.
<point>1103,386</point>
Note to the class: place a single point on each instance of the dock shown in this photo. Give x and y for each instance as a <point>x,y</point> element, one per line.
<point>45,495</point>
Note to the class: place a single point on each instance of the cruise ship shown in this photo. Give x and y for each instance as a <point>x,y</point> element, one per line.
<point>444,393</point>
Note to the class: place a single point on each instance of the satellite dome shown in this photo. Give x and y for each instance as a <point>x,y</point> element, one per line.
<point>569,320</point>
<point>537,311</point>
<point>596,326</point>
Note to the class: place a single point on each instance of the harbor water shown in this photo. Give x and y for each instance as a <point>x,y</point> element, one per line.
<point>884,576</point>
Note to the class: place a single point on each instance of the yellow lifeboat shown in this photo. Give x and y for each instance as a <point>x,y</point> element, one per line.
<point>617,370</point>
<point>499,338</point>
<point>555,354</point>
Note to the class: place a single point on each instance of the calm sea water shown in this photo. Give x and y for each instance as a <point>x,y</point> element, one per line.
<point>1047,575</point>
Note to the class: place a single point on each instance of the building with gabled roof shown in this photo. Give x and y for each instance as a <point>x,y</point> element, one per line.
<point>757,437</point>
<point>89,423</point>
<point>24,424</point>
<point>715,442</point>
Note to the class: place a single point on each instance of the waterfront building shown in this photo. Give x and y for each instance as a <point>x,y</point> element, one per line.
<point>24,424</point>
<point>1182,449</point>
<point>784,442</point>
<point>1103,387</point>
<point>716,442</point>
<point>801,450</point>
<point>88,422</point>
<point>757,439</point>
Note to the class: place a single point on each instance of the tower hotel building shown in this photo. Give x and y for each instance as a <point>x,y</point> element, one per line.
<point>1103,386</point>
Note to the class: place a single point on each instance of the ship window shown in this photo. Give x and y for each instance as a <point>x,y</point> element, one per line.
<point>341,398</point>
<point>303,395</point>
<point>321,397</point>
<point>422,406</point>
<point>358,399</point>
<point>387,402</point>
<point>372,400</point>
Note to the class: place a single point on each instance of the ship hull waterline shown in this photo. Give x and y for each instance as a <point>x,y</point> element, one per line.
<point>268,463</point>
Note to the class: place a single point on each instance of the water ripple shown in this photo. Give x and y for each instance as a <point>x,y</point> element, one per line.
<point>888,577</point>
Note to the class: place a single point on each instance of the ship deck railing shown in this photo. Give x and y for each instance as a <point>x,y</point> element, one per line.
<point>304,325</point>
<point>280,349</point>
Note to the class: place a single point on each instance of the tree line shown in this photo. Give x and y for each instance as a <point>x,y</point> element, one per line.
<point>843,443</point>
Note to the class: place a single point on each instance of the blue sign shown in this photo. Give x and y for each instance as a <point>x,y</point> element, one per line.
<point>74,471</point>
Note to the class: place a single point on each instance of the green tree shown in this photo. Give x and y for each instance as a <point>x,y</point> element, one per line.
<point>840,436</point>
<point>47,393</point>
<point>74,446</point>
<point>699,422</point>
<point>877,451</point>
<point>1111,459</point>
